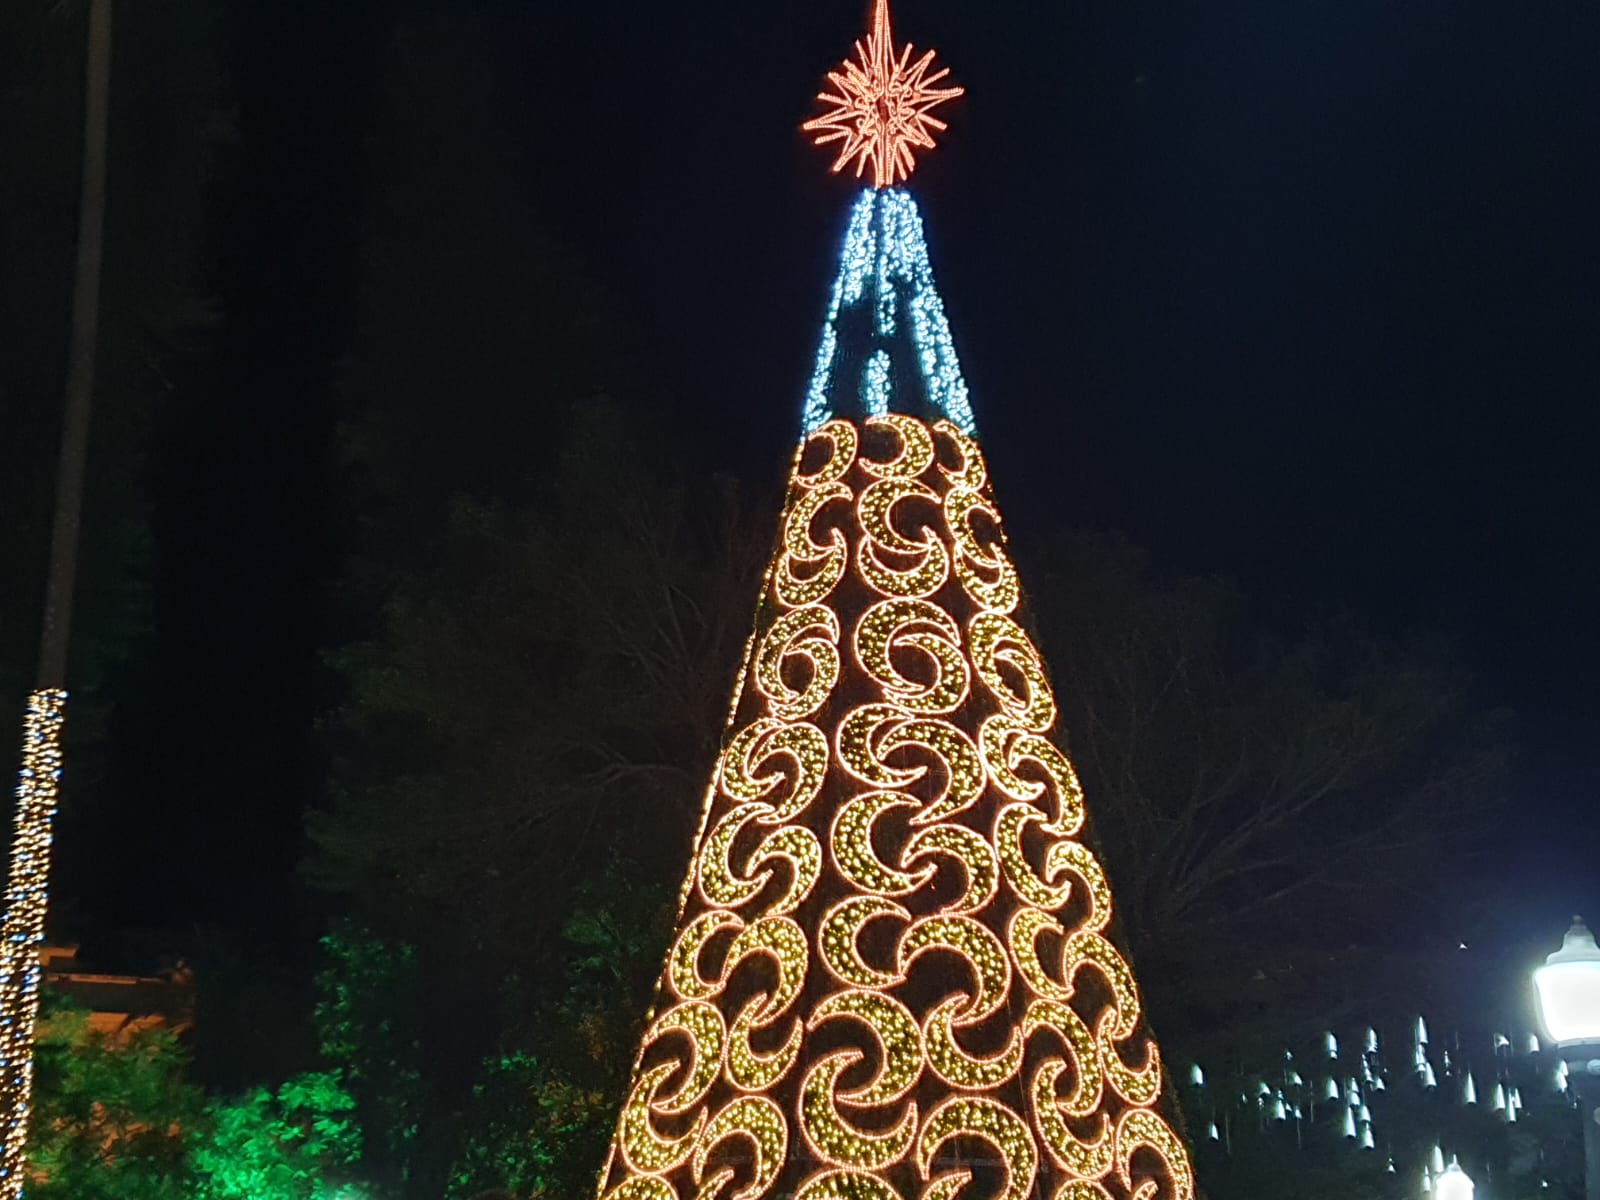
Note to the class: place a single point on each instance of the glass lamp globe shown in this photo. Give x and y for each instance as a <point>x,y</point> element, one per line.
<point>1454,1184</point>
<point>1568,986</point>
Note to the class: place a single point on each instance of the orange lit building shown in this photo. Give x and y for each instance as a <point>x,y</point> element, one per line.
<point>120,1002</point>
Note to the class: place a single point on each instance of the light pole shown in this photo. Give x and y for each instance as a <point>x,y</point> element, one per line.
<point>1568,987</point>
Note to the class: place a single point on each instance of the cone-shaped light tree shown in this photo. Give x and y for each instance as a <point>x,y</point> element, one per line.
<point>893,974</point>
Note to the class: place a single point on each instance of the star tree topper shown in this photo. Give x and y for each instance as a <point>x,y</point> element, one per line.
<point>881,108</point>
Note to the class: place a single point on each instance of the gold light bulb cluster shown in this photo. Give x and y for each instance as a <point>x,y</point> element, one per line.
<point>893,940</point>
<point>27,894</point>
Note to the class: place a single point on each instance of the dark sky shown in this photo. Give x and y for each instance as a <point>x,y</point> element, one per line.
<point>1304,293</point>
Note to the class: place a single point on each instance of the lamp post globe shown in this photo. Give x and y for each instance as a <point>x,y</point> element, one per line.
<point>1453,1184</point>
<point>1568,990</point>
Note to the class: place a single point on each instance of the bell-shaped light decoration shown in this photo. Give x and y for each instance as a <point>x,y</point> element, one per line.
<point>1569,988</point>
<point>1419,1056</point>
<point>1377,1083</point>
<point>1197,1076</point>
<point>1262,1090</point>
<point>1469,1094</point>
<point>1422,1032</point>
<point>1294,1078</point>
<point>1501,1042</point>
<point>1453,1184</point>
<point>1368,1142</point>
<point>1364,1115</point>
<point>1211,1132</point>
<point>1390,1168</point>
<point>1429,1079</point>
<point>1330,1089</point>
<point>1349,1122</point>
<point>1436,1159</point>
<point>1533,1043</point>
<point>1280,1111</point>
<point>1372,1040</point>
<point>1497,1098</point>
<point>1427,1182</point>
<point>1330,1044</point>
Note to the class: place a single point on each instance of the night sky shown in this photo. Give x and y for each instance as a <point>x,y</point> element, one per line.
<point>1307,294</point>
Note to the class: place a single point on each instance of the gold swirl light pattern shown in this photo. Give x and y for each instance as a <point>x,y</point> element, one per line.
<point>892,978</point>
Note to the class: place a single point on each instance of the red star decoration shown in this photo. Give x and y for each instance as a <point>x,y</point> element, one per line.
<point>881,108</point>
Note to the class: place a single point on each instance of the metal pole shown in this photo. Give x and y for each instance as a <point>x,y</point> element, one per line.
<point>1583,1077</point>
<point>1589,1107</point>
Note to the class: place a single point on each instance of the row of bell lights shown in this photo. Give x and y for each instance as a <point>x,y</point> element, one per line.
<point>1567,989</point>
<point>1568,992</point>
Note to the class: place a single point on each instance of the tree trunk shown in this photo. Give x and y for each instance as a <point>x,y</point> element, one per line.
<point>27,890</point>
<point>57,625</point>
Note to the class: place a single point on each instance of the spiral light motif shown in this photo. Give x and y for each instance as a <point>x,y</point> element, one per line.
<point>892,978</point>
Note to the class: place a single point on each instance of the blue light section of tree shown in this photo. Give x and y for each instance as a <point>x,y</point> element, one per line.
<point>885,273</point>
<point>875,384</point>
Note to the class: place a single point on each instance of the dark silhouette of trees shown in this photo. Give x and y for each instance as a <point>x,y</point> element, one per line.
<point>1265,803</point>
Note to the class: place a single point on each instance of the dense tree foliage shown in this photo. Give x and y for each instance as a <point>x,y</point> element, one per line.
<point>366,1023</point>
<point>541,1112</point>
<point>298,1141</point>
<point>546,691</point>
<point>114,1117</point>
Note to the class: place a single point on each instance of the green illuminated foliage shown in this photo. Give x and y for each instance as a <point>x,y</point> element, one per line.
<point>298,1143</point>
<point>366,1027</point>
<point>112,1117</point>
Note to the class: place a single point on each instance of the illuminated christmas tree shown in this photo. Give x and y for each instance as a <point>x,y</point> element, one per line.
<point>892,974</point>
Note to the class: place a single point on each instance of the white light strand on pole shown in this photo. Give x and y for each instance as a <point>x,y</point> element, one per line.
<point>23,932</point>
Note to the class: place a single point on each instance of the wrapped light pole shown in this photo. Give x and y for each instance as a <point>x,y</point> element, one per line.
<point>27,889</point>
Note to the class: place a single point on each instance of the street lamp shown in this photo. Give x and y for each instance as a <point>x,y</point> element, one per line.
<point>1568,987</point>
<point>1454,1184</point>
